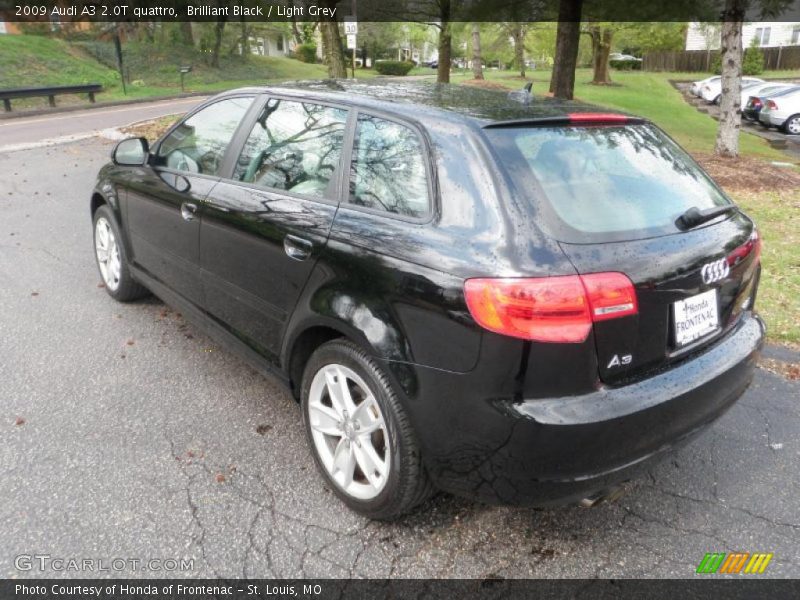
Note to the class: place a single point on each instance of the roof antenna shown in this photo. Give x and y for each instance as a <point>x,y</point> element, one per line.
<point>524,96</point>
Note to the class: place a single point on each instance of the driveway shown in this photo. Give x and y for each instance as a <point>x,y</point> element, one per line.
<point>126,433</point>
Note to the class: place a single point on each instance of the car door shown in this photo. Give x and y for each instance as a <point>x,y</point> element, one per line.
<point>266,222</point>
<point>164,197</point>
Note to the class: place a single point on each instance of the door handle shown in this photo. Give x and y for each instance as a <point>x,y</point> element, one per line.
<point>297,248</point>
<point>188,210</point>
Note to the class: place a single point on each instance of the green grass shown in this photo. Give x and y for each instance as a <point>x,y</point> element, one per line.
<point>778,218</point>
<point>649,95</point>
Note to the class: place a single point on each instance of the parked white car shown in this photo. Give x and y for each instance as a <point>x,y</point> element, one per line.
<point>711,91</point>
<point>782,112</point>
<point>697,86</point>
<point>763,89</point>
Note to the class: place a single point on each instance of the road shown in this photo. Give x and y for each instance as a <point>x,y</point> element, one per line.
<point>127,433</point>
<point>25,132</point>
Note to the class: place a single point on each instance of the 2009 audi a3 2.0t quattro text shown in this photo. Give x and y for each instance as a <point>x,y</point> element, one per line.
<point>517,300</point>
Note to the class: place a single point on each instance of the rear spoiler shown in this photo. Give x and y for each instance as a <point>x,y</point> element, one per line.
<point>587,118</point>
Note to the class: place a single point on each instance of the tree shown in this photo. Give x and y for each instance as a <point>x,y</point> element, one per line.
<point>730,120</point>
<point>445,43</point>
<point>562,81</point>
<point>477,67</point>
<point>332,52</point>
<point>602,35</point>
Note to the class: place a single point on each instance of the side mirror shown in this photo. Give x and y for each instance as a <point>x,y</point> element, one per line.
<point>132,152</point>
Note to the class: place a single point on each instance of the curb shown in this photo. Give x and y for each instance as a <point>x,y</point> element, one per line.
<point>78,107</point>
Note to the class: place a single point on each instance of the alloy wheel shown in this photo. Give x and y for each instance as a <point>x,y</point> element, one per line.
<point>107,251</point>
<point>349,431</point>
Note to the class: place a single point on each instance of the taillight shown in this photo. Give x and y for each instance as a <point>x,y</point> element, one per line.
<point>756,103</point>
<point>753,244</point>
<point>771,105</point>
<point>550,309</point>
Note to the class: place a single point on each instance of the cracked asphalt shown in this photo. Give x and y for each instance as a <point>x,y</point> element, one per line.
<point>126,433</point>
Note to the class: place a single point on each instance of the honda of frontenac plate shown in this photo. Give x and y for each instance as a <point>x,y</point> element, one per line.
<point>515,299</point>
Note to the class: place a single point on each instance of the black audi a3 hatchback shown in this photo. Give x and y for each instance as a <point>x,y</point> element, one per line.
<point>510,298</point>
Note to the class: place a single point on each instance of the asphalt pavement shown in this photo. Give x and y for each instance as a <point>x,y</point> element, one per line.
<point>59,127</point>
<point>125,433</point>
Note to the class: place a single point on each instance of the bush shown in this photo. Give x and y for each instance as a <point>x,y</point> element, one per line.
<point>753,61</point>
<point>306,53</point>
<point>393,67</point>
<point>626,65</point>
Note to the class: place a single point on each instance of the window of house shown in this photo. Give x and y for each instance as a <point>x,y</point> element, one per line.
<point>279,43</point>
<point>762,35</point>
<point>795,35</point>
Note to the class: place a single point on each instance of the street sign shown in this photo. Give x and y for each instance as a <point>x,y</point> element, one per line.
<point>351,41</point>
<point>350,26</point>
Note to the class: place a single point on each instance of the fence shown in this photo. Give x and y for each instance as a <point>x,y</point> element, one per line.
<point>690,61</point>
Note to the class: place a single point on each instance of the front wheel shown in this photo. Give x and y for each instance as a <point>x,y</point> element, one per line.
<point>359,433</point>
<point>111,259</point>
<point>792,125</point>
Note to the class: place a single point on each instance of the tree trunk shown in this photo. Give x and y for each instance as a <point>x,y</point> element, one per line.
<point>562,81</point>
<point>218,29</point>
<point>601,49</point>
<point>519,47</point>
<point>245,39</point>
<point>186,33</point>
<point>445,53</point>
<point>445,43</point>
<point>730,120</point>
<point>477,67</point>
<point>332,49</point>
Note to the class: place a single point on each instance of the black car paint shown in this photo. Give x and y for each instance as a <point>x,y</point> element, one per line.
<point>498,418</point>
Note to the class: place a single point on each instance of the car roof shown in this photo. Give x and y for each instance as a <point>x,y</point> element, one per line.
<point>422,101</point>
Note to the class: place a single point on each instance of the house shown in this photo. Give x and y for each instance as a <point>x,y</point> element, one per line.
<point>706,36</point>
<point>270,44</point>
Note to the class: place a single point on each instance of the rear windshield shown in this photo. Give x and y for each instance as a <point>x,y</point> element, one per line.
<point>604,183</point>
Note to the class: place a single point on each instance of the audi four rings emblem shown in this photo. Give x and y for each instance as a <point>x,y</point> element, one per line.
<point>715,271</point>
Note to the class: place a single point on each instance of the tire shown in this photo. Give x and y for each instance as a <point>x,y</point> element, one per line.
<point>111,259</point>
<point>347,444</point>
<point>791,125</point>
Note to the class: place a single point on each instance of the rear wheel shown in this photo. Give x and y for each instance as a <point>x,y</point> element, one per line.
<point>792,125</point>
<point>359,433</point>
<point>112,261</point>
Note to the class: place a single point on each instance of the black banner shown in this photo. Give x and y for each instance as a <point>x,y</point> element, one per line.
<point>393,10</point>
<point>373,589</point>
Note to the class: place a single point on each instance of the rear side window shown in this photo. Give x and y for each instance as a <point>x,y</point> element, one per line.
<point>198,144</point>
<point>598,183</point>
<point>294,146</point>
<point>387,170</point>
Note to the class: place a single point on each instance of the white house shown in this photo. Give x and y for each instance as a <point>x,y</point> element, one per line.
<point>270,44</point>
<point>706,36</point>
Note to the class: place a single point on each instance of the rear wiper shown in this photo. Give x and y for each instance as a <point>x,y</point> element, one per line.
<point>694,216</point>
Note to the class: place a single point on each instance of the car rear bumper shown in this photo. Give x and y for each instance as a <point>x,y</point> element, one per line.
<point>558,450</point>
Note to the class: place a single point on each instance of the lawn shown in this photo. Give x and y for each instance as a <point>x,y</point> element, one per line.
<point>648,95</point>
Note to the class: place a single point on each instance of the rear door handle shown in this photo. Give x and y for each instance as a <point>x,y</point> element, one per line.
<point>188,210</point>
<point>297,247</point>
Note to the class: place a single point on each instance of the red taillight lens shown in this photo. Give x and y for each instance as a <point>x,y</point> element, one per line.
<point>549,309</point>
<point>751,245</point>
<point>597,117</point>
<point>756,103</point>
<point>611,295</point>
<point>771,105</point>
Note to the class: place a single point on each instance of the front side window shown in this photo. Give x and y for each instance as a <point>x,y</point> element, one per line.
<point>294,146</point>
<point>387,170</point>
<point>198,144</point>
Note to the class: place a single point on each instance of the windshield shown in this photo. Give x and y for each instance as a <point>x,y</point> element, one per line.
<point>601,183</point>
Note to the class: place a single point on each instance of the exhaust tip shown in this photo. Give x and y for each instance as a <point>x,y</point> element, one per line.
<point>608,495</point>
